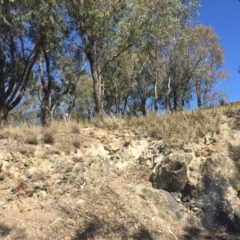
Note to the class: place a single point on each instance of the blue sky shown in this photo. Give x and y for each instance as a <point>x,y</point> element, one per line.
<point>224,17</point>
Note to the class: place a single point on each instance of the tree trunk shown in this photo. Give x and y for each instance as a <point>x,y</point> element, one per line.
<point>175,99</point>
<point>124,113</point>
<point>168,101</point>
<point>44,111</point>
<point>155,97</point>
<point>198,92</point>
<point>3,108</point>
<point>3,116</point>
<point>143,107</point>
<point>97,90</point>
<point>183,104</point>
<point>45,97</point>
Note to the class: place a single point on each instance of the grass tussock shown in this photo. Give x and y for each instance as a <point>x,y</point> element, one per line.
<point>174,129</point>
<point>68,126</point>
<point>24,132</point>
<point>32,138</point>
<point>12,132</point>
<point>75,128</point>
<point>76,143</point>
<point>109,122</point>
<point>48,136</point>
<point>180,127</point>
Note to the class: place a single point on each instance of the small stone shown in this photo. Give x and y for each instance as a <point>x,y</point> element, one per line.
<point>126,143</point>
<point>198,153</point>
<point>1,177</point>
<point>107,148</point>
<point>187,150</point>
<point>136,226</point>
<point>81,201</point>
<point>1,163</point>
<point>58,223</point>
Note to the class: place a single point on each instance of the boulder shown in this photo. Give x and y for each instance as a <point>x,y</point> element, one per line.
<point>172,173</point>
<point>209,187</point>
<point>218,194</point>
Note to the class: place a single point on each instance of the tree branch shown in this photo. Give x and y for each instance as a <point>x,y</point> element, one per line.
<point>115,56</point>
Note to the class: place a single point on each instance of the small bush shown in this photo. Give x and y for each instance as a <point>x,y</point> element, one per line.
<point>76,143</point>
<point>48,136</point>
<point>75,129</point>
<point>109,122</point>
<point>31,139</point>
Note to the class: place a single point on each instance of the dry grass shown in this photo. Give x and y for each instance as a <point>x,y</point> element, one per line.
<point>175,129</point>
<point>48,136</point>
<point>75,128</point>
<point>109,122</point>
<point>29,134</point>
<point>180,127</point>
<point>32,139</point>
<point>76,143</point>
<point>12,132</point>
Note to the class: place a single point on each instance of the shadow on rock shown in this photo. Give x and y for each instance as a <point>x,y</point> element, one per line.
<point>217,209</point>
<point>218,218</point>
<point>90,231</point>
<point>234,152</point>
<point>97,228</point>
<point>4,230</point>
<point>193,233</point>
<point>17,233</point>
<point>142,234</point>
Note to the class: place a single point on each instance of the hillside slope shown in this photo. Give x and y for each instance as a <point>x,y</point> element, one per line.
<point>95,183</point>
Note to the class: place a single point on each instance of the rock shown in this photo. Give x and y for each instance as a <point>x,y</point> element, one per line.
<point>57,224</point>
<point>216,192</point>
<point>126,143</point>
<point>152,156</point>
<point>173,204</point>
<point>136,148</point>
<point>107,148</point>
<point>172,176</point>
<point>81,202</point>
<point>209,188</point>
<point>2,176</point>
<point>157,201</point>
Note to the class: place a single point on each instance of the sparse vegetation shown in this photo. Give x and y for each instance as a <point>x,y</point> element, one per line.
<point>57,172</point>
<point>76,143</point>
<point>75,128</point>
<point>48,136</point>
<point>176,128</point>
<point>31,138</point>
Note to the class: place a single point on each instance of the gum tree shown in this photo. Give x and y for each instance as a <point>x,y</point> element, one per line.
<point>106,29</point>
<point>192,66</point>
<point>18,54</point>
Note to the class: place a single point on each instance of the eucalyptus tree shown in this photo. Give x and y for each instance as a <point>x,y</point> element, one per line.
<point>119,82</point>
<point>19,50</point>
<point>206,56</point>
<point>178,72</point>
<point>106,29</point>
<point>56,65</point>
<point>78,104</point>
<point>192,66</point>
<point>152,56</point>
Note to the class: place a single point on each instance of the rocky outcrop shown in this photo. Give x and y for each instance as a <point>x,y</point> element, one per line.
<point>100,189</point>
<point>209,186</point>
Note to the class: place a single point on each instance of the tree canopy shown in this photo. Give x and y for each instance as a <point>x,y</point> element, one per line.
<point>84,58</point>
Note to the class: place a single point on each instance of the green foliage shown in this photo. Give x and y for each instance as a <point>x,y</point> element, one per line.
<point>80,58</point>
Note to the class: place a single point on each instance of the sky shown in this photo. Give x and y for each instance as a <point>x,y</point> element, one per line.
<point>224,17</point>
